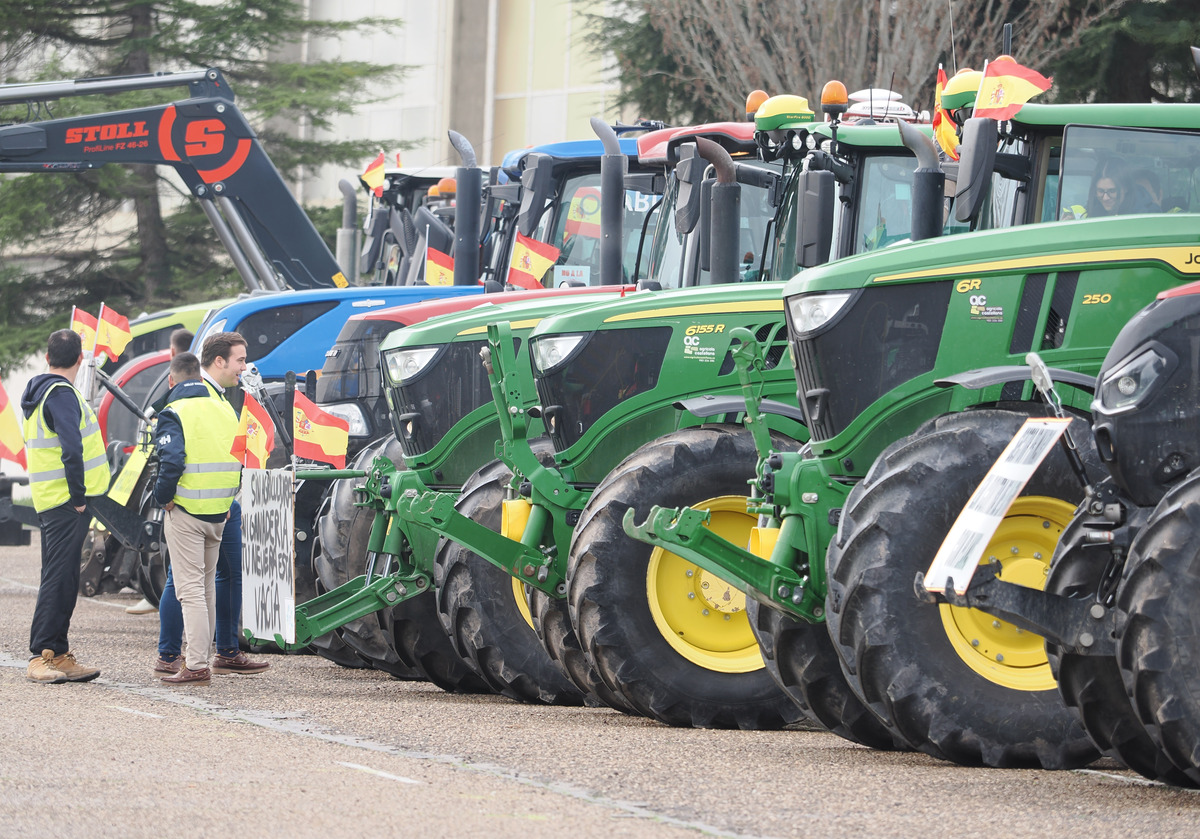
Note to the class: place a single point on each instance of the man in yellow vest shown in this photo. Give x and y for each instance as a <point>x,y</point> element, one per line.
<point>197,481</point>
<point>67,464</point>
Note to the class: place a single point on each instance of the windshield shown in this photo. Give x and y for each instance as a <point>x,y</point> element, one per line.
<point>574,228</point>
<point>673,264</point>
<point>1116,171</point>
<point>351,369</point>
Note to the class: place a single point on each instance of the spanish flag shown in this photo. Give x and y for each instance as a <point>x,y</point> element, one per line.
<point>1006,87</point>
<point>84,325</point>
<point>530,260</point>
<point>319,435</point>
<point>439,267</point>
<point>12,446</point>
<point>256,435</point>
<point>943,123</point>
<point>373,177</point>
<point>112,332</point>
<point>583,217</point>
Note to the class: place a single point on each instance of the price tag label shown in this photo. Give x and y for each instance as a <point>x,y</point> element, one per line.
<point>959,555</point>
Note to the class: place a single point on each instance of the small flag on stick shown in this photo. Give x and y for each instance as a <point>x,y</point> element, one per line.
<point>319,435</point>
<point>256,435</point>
<point>439,267</point>
<point>530,261</point>
<point>1006,87</point>
<point>12,445</point>
<point>373,177</point>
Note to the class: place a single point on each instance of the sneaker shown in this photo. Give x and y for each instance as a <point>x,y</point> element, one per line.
<point>145,607</point>
<point>70,668</point>
<point>187,676</point>
<point>240,663</point>
<point>169,667</point>
<point>42,669</point>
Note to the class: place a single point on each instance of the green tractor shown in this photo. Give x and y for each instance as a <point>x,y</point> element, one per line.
<point>909,369</point>
<point>442,435</point>
<point>674,643</point>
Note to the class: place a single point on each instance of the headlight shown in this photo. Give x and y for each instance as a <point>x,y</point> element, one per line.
<point>553,350</point>
<point>404,364</point>
<point>812,311</point>
<point>353,414</point>
<point>1127,386</point>
<point>214,328</point>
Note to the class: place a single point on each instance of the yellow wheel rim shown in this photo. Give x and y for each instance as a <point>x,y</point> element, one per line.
<point>522,597</point>
<point>703,617</point>
<point>995,649</point>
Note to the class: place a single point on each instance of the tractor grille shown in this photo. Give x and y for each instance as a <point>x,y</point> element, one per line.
<point>884,337</point>
<point>771,337</point>
<point>428,406</point>
<point>611,366</point>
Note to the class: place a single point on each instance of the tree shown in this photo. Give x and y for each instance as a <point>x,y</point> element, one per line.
<point>714,52</point>
<point>1138,55</point>
<point>59,228</point>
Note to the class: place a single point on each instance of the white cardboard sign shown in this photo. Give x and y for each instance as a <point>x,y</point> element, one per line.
<point>268,561</point>
<point>963,547</point>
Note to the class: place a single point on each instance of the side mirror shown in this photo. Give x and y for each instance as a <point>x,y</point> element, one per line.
<point>814,217</point>
<point>537,185</point>
<point>689,171</point>
<point>977,157</point>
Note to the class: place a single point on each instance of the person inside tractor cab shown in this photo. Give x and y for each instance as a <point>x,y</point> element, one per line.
<point>1109,194</point>
<point>1147,192</point>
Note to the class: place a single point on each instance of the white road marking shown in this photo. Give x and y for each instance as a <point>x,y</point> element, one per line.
<point>136,711</point>
<point>1137,780</point>
<point>387,775</point>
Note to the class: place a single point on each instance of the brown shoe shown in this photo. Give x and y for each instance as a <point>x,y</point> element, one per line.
<point>187,676</point>
<point>73,670</point>
<point>240,663</point>
<point>42,669</point>
<point>168,667</point>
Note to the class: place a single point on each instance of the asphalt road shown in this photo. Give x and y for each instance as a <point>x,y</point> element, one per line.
<point>310,749</point>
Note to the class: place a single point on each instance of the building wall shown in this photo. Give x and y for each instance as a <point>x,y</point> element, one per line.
<point>504,73</point>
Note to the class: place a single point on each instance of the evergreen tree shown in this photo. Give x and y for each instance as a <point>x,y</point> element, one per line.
<point>1140,53</point>
<point>59,229</point>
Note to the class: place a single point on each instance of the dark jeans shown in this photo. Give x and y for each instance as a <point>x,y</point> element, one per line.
<point>229,597</point>
<point>63,533</point>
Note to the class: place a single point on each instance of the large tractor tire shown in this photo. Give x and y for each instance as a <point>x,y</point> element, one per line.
<point>1091,685</point>
<point>552,623</point>
<point>672,639</point>
<point>331,645</point>
<point>954,682</point>
<point>485,612</point>
<point>1157,648</point>
<point>344,531</point>
<point>801,658</point>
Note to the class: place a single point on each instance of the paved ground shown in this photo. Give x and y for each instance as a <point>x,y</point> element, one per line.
<point>310,749</point>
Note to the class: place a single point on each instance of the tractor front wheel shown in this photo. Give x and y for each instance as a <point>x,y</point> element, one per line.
<point>954,682</point>
<point>485,611</point>
<point>671,638</point>
<point>1091,684</point>
<point>1157,647</point>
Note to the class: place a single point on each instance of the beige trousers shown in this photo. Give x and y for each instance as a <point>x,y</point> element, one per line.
<point>194,545</point>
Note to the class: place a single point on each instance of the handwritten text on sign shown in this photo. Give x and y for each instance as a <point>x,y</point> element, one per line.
<point>268,584</point>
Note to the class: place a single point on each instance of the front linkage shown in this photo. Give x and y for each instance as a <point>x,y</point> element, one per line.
<point>776,570</point>
<point>409,517</point>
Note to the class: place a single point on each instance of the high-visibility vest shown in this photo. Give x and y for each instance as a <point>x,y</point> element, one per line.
<point>211,475</point>
<point>47,474</point>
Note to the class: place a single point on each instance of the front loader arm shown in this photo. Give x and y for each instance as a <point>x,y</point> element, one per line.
<point>207,141</point>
